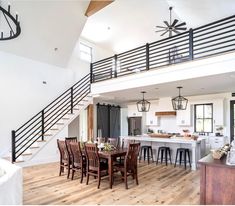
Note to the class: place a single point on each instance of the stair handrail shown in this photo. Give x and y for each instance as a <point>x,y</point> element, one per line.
<point>37,126</point>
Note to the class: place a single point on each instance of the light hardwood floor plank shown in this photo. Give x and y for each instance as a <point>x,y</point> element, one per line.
<point>158,184</point>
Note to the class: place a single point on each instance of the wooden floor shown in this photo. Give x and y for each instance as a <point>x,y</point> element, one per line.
<point>157,185</point>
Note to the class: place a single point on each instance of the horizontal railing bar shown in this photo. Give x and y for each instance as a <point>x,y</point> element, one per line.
<point>169,39</point>
<point>134,58</point>
<point>28,126</point>
<point>214,31</point>
<point>103,65</point>
<point>214,49</point>
<point>82,85</point>
<point>51,111</point>
<point>215,35</point>
<point>103,68</point>
<point>212,45</point>
<point>104,72</point>
<point>56,116</point>
<point>27,146</point>
<point>224,52</point>
<point>143,68</point>
<point>25,138</point>
<point>87,90</point>
<point>213,40</point>
<point>166,53</point>
<point>102,60</point>
<point>129,67</point>
<point>131,62</point>
<point>28,130</point>
<point>28,137</point>
<point>215,22</point>
<point>214,26</point>
<point>87,79</point>
<point>174,45</point>
<point>79,90</point>
<point>28,121</point>
<point>133,53</point>
<point>129,57</point>
<point>132,50</point>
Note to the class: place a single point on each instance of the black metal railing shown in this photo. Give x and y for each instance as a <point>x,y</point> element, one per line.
<point>38,126</point>
<point>208,40</point>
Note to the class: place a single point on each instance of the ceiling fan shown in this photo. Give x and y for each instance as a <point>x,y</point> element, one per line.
<point>171,27</point>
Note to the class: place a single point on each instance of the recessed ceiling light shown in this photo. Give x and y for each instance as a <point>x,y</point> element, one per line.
<point>55,49</point>
<point>108,28</point>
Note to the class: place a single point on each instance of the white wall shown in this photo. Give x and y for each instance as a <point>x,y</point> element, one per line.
<point>81,67</point>
<point>23,94</point>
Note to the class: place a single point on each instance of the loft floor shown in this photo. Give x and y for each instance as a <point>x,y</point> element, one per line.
<point>157,185</point>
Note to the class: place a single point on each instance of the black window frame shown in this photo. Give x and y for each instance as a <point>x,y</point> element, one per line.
<point>195,117</point>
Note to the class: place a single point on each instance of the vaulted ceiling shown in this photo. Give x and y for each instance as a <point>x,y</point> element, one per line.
<point>126,24</point>
<point>50,29</point>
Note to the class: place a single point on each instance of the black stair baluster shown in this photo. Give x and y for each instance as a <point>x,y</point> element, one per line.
<point>43,120</point>
<point>13,154</point>
<point>191,44</point>
<point>71,100</point>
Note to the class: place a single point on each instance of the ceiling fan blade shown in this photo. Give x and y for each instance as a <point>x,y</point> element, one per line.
<point>179,25</point>
<point>177,32</point>
<point>167,23</point>
<point>162,27</point>
<point>174,22</point>
<point>181,29</point>
<point>161,30</point>
<point>165,32</point>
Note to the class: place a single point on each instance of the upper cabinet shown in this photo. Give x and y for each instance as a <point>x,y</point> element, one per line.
<point>184,117</point>
<point>151,118</point>
<point>218,112</point>
<point>133,111</point>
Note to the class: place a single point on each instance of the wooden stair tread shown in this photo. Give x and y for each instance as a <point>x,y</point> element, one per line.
<point>26,154</point>
<point>19,161</point>
<point>65,118</point>
<point>60,123</point>
<point>34,147</point>
<point>54,129</point>
<point>41,140</point>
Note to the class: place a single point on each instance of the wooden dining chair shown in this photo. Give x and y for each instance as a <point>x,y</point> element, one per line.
<point>129,167</point>
<point>78,159</point>
<point>64,156</point>
<point>95,167</point>
<point>68,150</point>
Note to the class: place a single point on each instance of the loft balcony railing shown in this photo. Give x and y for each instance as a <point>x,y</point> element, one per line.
<point>205,41</point>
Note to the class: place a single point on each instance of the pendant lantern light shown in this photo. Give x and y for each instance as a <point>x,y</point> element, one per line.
<point>143,105</point>
<point>179,102</point>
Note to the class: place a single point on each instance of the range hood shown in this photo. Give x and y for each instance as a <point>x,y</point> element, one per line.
<point>165,113</point>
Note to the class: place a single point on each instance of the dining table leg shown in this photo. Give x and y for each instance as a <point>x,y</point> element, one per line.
<point>110,166</point>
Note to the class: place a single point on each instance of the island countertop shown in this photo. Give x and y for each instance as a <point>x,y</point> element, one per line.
<point>197,147</point>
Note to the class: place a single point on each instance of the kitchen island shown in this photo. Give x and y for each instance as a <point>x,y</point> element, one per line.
<point>197,147</point>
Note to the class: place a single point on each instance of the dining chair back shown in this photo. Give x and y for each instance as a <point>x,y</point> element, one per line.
<point>64,156</point>
<point>78,159</point>
<point>95,167</point>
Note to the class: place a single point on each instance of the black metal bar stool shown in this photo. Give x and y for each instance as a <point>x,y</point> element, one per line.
<point>184,152</point>
<point>148,150</point>
<point>165,151</point>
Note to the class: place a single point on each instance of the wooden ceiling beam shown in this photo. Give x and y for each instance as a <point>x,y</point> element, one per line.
<point>96,5</point>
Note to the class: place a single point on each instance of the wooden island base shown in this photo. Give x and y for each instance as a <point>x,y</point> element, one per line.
<point>217,182</point>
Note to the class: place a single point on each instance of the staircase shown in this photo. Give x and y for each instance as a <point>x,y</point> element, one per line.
<point>32,136</point>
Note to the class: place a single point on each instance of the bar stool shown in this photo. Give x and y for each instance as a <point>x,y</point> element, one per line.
<point>184,152</point>
<point>148,150</point>
<point>166,151</point>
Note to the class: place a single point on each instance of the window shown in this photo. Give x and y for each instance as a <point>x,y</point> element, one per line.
<point>85,52</point>
<point>203,118</point>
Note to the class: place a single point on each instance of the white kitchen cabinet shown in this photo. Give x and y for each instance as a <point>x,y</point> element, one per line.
<point>218,112</point>
<point>184,117</point>
<point>217,141</point>
<point>151,118</point>
<point>133,111</point>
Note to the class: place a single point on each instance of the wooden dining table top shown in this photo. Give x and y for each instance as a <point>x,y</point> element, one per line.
<point>113,153</point>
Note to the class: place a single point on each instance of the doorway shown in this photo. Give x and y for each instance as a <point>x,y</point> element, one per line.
<point>134,126</point>
<point>232,119</point>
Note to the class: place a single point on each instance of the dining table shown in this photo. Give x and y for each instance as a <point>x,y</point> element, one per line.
<point>111,156</point>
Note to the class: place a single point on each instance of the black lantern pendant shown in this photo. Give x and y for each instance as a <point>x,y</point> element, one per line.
<point>11,22</point>
<point>143,105</point>
<point>179,102</point>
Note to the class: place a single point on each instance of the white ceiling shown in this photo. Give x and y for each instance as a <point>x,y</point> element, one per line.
<point>46,25</point>
<point>126,24</point>
<point>222,83</point>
